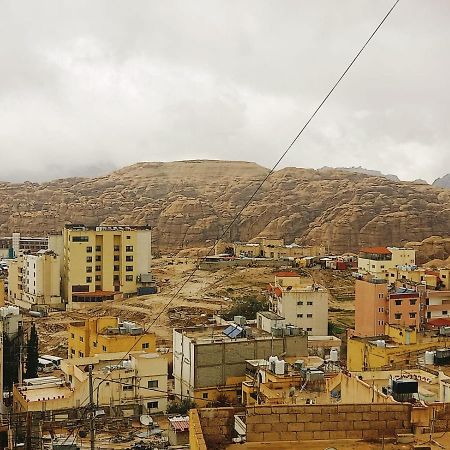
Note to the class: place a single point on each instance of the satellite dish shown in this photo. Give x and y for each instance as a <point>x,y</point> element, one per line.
<point>145,419</point>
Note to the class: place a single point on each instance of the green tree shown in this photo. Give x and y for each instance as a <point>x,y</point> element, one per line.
<point>181,407</point>
<point>247,307</point>
<point>32,353</point>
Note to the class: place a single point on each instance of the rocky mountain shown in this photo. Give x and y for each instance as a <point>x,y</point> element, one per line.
<point>359,169</point>
<point>190,203</point>
<point>443,181</point>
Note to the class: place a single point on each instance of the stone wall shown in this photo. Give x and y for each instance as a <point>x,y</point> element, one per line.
<point>297,423</point>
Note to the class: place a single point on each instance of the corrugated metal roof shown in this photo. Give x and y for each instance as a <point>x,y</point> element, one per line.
<point>179,423</point>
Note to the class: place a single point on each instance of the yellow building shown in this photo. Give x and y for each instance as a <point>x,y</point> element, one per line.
<point>35,279</point>
<point>398,348</point>
<point>135,385</point>
<point>2,292</point>
<point>107,334</point>
<point>102,263</point>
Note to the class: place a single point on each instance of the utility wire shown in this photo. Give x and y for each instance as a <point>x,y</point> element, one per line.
<point>260,185</point>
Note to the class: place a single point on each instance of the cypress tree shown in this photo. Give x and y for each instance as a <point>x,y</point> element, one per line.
<point>32,353</point>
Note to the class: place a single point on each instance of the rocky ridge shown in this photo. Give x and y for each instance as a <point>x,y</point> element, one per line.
<point>190,203</point>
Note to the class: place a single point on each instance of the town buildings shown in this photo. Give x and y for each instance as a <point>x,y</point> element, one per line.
<point>209,362</point>
<point>136,384</point>
<point>300,301</point>
<point>105,335</point>
<point>377,261</point>
<point>35,279</point>
<point>276,249</point>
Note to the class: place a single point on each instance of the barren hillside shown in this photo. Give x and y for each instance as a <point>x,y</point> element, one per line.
<point>190,202</point>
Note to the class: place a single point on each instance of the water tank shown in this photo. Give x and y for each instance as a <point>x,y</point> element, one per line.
<point>287,331</point>
<point>240,320</point>
<point>280,367</point>
<point>277,332</point>
<point>381,343</point>
<point>429,358</point>
<point>334,355</point>
<point>299,364</point>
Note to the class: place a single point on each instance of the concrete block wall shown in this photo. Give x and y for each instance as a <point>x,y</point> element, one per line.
<point>298,423</point>
<point>217,425</point>
<point>442,417</point>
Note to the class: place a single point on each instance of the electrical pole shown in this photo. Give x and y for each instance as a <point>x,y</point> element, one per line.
<point>92,409</point>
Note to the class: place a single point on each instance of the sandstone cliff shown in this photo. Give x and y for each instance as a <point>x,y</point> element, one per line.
<point>190,203</point>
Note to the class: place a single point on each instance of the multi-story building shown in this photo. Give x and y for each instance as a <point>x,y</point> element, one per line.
<point>135,385</point>
<point>35,279</point>
<point>105,335</point>
<point>276,249</point>
<point>301,302</point>
<point>376,305</point>
<point>102,263</point>
<point>377,261</point>
<point>437,305</point>
<point>211,361</point>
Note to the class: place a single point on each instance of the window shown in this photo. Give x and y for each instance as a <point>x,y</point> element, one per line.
<point>152,405</point>
<point>89,269</point>
<point>72,351</point>
<point>98,278</point>
<point>94,344</point>
<point>444,313</point>
<point>309,303</point>
<point>98,268</point>
<point>81,339</point>
<point>382,267</point>
<point>300,316</point>
<point>89,249</point>
<point>412,315</point>
<point>129,248</point>
<point>427,301</point>
<point>128,237</point>
<point>116,277</point>
<point>309,329</point>
<point>398,316</point>
<point>80,238</point>
<point>104,348</point>
<point>309,316</point>
<point>205,395</point>
<point>116,248</point>
<point>116,258</point>
<point>98,248</point>
<point>72,335</point>
<point>152,384</point>
<point>145,345</point>
<point>398,302</point>
<point>128,277</point>
<point>98,258</point>
<point>80,354</point>
<point>299,303</point>
<point>380,309</point>
<point>412,301</point>
<point>116,268</point>
<point>127,387</point>
<point>444,276</point>
<point>380,295</point>
<point>129,258</point>
<point>129,268</point>
<point>88,258</point>
<point>392,275</point>
<point>88,279</point>
<point>428,315</point>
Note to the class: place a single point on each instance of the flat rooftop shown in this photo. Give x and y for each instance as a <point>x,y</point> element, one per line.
<point>82,227</point>
<point>207,335</point>
<point>270,315</point>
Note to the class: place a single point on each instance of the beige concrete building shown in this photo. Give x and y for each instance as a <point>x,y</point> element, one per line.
<point>377,261</point>
<point>102,263</point>
<point>276,249</point>
<point>300,302</point>
<point>211,361</point>
<point>134,386</point>
<point>35,279</point>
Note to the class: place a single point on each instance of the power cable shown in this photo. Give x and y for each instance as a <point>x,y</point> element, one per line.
<point>252,196</point>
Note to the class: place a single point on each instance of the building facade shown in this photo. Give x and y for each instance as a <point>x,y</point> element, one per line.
<point>303,305</point>
<point>207,363</point>
<point>102,263</point>
<point>106,335</point>
<point>377,261</point>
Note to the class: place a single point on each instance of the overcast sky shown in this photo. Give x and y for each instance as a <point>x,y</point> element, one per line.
<point>87,86</point>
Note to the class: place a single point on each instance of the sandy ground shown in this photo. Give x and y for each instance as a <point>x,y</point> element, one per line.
<point>183,302</point>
